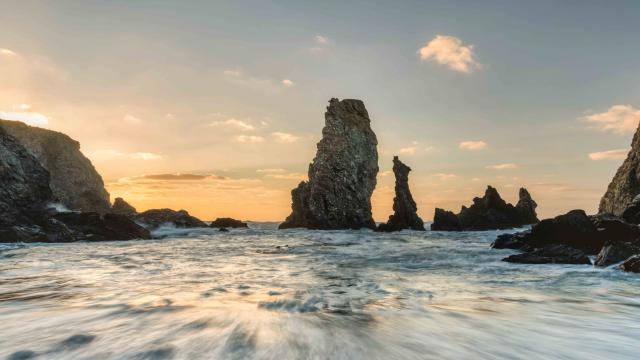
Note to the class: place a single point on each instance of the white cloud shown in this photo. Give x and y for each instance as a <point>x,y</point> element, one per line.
<point>234,73</point>
<point>505,166</point>
<point>249,139</point>
<point>7,52</point>
<point>321,40</point>
<point>451,52</point>
<point>443,176</point>
<point>21,107</point>
<point>270,171</point>
<point>411,150</point>
<point>145,156</point>
<point>385,173</point>
<point>617,154</point>
<point>29,118</point>
<point>620,119</point>
<point>287,82</point>
<point>234,123</point>
<point>128,118</point>
<point>289,176</point>
<point>283,137</point>
<point>473,145</point>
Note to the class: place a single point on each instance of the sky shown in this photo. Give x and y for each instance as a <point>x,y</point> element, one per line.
<point>216,106</point>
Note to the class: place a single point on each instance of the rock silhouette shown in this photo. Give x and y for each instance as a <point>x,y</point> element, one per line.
<point>227,223</point>
<point>154,218</point>
<point>122,207</point>
<point>74,181</point>
<point>342,176</point>
<point>489,212</point>
<point>405,211</point>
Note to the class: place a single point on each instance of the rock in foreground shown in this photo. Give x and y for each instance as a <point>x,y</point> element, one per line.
<point>632,264</point>
<point>342,176</point>
<point>551,254</point>
<point>228,223</point>
<point>405,211</point>
<point>490,212</point>
<point>154,218</point>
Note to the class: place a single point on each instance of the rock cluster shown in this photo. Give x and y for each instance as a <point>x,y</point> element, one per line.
<point>489,212</point>
<point>405,211</point>
<point>342,176</point>
<point>74,181</point>
<point>154,218</point>
<point>224,223</point>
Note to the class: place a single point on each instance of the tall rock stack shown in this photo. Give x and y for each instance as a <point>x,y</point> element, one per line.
<point>405,211</point>
<point>526,208</point>
<point>625,185</point>
<point>342,176</point>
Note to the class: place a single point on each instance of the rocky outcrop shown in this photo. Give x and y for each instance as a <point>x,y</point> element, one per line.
<point>625,185</point>
<point>615,251</point>
<point>551,254</point>
<point>342,176</point>
<point>632,264</point>
<point>489,212</point>
<point>91,226</point>
<point>405,211</point>
<point>155,218</point>
<point>74,181</point>
<point>632,213</point>
<point>122,207</point>
<point>227,223</point>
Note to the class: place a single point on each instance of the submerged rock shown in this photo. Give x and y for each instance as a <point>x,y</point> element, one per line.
<point>122,207</point>
<point>551,254</point>
<point>489,212</point>
<point>632,264</point>
<point>74,181</point>
<point>342,176</point>
<point>405,211</point>
<point>154,218</point>
<point>227,223</point>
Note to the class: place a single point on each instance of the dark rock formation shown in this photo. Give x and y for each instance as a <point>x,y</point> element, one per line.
<point>515,241</point>
<point>122,207</point>
<point>632,213</point>
<point>342,176</point>
<point>551,254</point>
<point>625,185</point>
<point>490,212</point>
<point>405,211</point>
<point>95,227</point>
<point>154,218</point>
<point>73,179</point>
<point>614,252</point>
<point>227,223</point>
<point>632,264</point>
<point>574,229</point>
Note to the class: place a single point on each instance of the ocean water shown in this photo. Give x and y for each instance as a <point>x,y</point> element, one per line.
<point>267,294</point>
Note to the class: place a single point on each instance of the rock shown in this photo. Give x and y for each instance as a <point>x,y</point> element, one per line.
<point>405,211</point>
<point>73,180</point>
<point>153,218</point>
<point>573,229</point>
<point>515,241</point>
<point>122,207</point>
<point>490,212</point>
<point>632,264</point>
<point>227,223</point>
<point>632,213</point>
<point>342,176</point>
<point>223,229</point>
<point>91,226</point>
<point>551,254</point>
<point>611,228</point>
<point>444,220</point>
<point>625,185</point>
<point>614,252</point>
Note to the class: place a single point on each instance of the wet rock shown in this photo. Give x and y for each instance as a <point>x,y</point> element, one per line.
<point>573,229</point>
<point>122,207</point>
<point>551,254</point>
<point>342,176</point>
<point>515,241</point>
<point>489,212</point>
<point>632,213</point>
<point>94,227</point>
<point>154,218</point>
<point>222,229</point>
<point>227,223</point>
<point>74,181</point>
<point>632,264</point>
<point>614,252</point>
<point>405,211</point>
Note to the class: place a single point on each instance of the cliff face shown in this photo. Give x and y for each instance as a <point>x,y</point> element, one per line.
<point>73,180</point>
<point>342,176</point>
<point>625,184</point>
<point>405,211</point>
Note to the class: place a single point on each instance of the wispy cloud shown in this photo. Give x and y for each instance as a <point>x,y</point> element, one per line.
<point>473,145</point>
<point>617,154</point>
<point>619,119</point>
<point>145,156</point>
<point>128,118</point>
<point>7,52</point>
<point>415,148</point>
<point>289,176</point>
<point>234,73</point>
<point>233,123</point>
<point>287,83</point>
<point>505,166</point>
<point>27,117</point>
<point>443,176</point>
<point>249,139</point>
<point>286,138</point>
<point>180,176</point>
<point>271,171</point>
<point>451,52</point>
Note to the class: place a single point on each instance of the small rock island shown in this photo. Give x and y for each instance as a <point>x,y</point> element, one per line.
<point>405,211</point>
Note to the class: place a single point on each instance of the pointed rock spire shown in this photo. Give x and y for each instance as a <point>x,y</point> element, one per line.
<point>405,211</point>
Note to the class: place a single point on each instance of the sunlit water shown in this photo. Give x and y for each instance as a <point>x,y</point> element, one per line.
<point>268,294</point>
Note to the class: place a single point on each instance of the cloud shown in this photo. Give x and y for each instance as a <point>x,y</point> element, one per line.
<point>283,137</point>
<point>234,73</point>
<point>145,156</point>
<point>289,176</point>
<point>415,148</point>
<point>385,173</point>
<point>27,117</point>
<point>270,171</point>
<point>287,82</point>
<point>451,52</point>
<point>504,166</point>
<point>473,145</point>
<point>411,150</point>
<point>617,154</point>
<point>7,52</point>
<point>443,176</point>
<point>234,123</point>
<point>21,107</point>
<point>180,177</point>
<point>321,40</point>
<point>128,118</point>
<point>619,119</point>
<point>249,139</point>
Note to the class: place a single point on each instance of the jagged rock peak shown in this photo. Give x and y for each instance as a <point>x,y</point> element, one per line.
<point>123,208</point>
<point>526,207</point>
<point>625,185</point>
<point>343,173</point>
<point>74,181</point>
<point>405,211</point>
